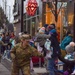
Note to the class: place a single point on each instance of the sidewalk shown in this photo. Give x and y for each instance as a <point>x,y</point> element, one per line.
<point>4,70</point>
<point>7,64</point>
<point>37,70</point>
<point>40,70</point>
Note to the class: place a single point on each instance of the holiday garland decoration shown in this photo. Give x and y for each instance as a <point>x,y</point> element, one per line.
<point>31,7</point>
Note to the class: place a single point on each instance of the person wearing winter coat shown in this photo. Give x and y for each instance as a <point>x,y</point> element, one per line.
<point>56,50</point>
<point>55,43</point>
<point>21,54</point>
<point>67,39</point>
<point>41,37</point>
<point>2,46</point>
<point>7,39</point>
<point>69,59</point>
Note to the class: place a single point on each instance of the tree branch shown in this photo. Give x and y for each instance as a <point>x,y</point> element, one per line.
<point>53,11</point>
<point>60,8</point>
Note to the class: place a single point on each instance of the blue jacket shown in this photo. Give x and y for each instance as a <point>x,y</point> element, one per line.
<point>65,42</point>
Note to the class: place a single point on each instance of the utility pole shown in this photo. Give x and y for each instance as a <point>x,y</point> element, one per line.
<point>22,15</point>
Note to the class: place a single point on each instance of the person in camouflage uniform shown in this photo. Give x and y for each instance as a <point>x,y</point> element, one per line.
<point>21,54</point>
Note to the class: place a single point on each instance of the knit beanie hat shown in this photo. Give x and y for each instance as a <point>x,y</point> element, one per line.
<point>42,30</point>
<point>69,49</point>
<point>25,36</point>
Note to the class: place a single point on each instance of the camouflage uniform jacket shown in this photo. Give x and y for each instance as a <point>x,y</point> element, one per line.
<point>22,55</point>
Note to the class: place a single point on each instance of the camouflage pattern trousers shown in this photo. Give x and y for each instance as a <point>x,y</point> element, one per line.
<point>15,70</point>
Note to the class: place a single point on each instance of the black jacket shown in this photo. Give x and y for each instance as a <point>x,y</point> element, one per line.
<point>68,65</point>
<point>55,45</point>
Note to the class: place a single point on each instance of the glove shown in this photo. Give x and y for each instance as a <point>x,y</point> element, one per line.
<point>12,56</point>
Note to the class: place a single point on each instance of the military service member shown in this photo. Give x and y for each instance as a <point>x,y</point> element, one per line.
<point>21,54</point>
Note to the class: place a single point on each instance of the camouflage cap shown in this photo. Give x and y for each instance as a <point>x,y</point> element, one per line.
<point>25,36</point>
